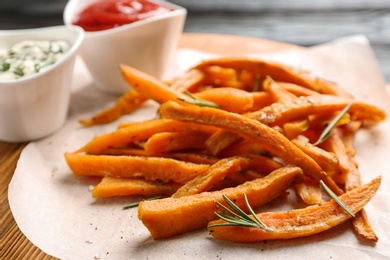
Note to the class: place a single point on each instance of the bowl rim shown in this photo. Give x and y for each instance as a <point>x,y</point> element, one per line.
<point>29,34</point>
<point>71,8</point>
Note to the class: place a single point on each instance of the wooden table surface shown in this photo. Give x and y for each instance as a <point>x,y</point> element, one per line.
<point>300,22</point>
<point>14,245</point>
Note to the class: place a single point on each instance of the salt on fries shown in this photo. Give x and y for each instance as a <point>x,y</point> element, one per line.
<point>263,138</point>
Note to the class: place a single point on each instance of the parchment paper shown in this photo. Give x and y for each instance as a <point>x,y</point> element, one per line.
<point>55,210</point>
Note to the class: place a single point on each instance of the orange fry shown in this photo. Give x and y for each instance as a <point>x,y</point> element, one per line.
<point>277,71</point>
<point>220,140</point>
<point>298,108</point>
<point>172,216</point>
<point>301,107</point>
<point>272,140</point>
<point>173,141</point>
<point>297,90</point>
<point>113,187</point>
<point>309,191</point>
<point>186,81</point>
<point>328,161</point>
<point>229,99</point>
<point>148,86</point>
<point>300,222</point>
<point>150,168</point>
<point>217,172</point>
<point>278,93</point>
<point>140,131</point>
<point>127,103</point>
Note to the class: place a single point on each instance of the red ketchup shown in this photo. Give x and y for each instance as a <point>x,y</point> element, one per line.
<point>107,14</point>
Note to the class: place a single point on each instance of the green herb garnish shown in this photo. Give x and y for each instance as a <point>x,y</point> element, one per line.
<point>135,204</point>
<point>237,216</point>
<point>5,66</point>
<point>197,101</point>
<point>257,85</point>
<point>326,133</point>
<point>19,71</point>
<point>337,199</point>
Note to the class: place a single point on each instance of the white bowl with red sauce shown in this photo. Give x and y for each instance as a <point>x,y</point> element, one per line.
<point>34,105</point>
<point>147,44</point>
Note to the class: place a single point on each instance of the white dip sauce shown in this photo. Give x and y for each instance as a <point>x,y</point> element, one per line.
<point>29,57</point>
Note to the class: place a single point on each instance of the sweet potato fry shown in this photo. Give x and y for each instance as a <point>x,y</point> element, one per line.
<point>278,72</point>
<point>113,187</point>
<point>229,99</point>
<point>186,81</point>
<point>309,191</point>
<point>261,99</point>
<point>299,108</point>
<point>140,131</point>
<point>272,140</point>
<point>335,145</point>
<point>150,168</point>
<point>277,92</point>
<point>218,76</point>
<point>127,103</point>
<point>193,157</point>
<point>204,181</point>
<point>174,141</point>
<point>148,86</point>
<point>353,180</point>
<point>295,128</point>
<point>297,90</point>
<point>300,222</point>
<point>243,147</point>
<point>329,162</point>
<point>220,140</point>
<point>172,216</point>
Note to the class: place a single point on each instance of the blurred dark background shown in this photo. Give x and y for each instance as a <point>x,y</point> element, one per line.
<point>302,22</point>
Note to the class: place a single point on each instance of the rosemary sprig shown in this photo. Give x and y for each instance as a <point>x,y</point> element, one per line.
<point>326,133</point>
<point>198,101</point>
<point>135,204</point>
<point>237,216</point>
<point>337,199</point>
<point>257,85</point>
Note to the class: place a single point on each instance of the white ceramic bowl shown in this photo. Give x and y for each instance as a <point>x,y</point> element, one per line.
<point>35,106</point>
<point>147,45</point>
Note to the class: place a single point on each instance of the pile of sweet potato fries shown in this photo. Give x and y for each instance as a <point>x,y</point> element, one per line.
<point>234,126</point>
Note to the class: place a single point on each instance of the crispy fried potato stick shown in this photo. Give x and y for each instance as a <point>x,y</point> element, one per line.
<point>198,158</point>
<point>204,181</point>
<point>272,140</point>
<point>309,191</point>
<point>328,161</point>
<point>148,86</point>
<point>113,187</point>
<point>229,99</point>
<point>127,103</point>
<point>295,128</point>
<point>277,71</point>
<point>298,108</point>
<point>278,93</point>
<point>261,99</point>
<point>300,222</point>
<point>297,90</point>
<point>186,81</point>
<point>164,142</point>
<point>140,131</point>
<point>150,168</point>
<point>352,177</point>
<point>172,216</point>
